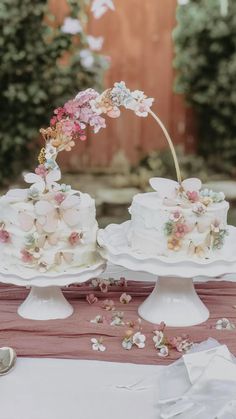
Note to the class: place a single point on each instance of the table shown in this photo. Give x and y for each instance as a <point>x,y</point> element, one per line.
<point>74,389</point>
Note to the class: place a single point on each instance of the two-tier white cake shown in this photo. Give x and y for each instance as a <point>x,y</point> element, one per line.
<point>178,220</point>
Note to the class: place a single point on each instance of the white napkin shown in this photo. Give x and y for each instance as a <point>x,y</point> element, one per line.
<point>174,380</point>
<point>209,396</point>
<point>197,362</point>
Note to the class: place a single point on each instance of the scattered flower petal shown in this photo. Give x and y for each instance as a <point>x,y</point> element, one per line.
<point>91,299</point>
<point>125,298</point>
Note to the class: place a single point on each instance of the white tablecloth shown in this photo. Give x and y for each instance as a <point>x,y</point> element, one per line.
<point>74,389</point>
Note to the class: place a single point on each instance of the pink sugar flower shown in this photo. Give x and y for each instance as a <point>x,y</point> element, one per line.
<point>175,216</point>
<point>59,197</point>
<point>85,96</point>
<point>26,256</point>
<point>75,238</point>
<point>59,112</point>
<point>67,127</point>
<point>4,236</point>
<point>193,196</point>
<point>41,170</point>
<point>53,120</point>
<point>72,108</point>
<point>180,230</point>
<point>91,298</point>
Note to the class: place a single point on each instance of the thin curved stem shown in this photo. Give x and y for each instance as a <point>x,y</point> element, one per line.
<point>172,149</point>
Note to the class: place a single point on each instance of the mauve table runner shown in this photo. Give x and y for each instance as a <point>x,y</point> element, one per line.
<point>70,338</point>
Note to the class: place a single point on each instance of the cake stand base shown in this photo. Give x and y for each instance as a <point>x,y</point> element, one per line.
<point>175,302</point>
<point>44,304</point>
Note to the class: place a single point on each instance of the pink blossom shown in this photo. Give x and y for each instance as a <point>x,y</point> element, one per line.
<point>53,120</point>
<point>180,230</point>
<point>68,127</point>
<point>193,196</point>
<point>4,236</point>
<point>26,256</point>
<point>91,299</point>
<point>41,170</point>
<point>85,96</point>
<point>59,112</point>
<point>72,107</point>
<point>59,197</point>
<point>175,216</point>
<point>75,238</point>
<point>108,305</point>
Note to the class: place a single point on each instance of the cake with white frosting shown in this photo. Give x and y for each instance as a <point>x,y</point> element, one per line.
<point>178,219</point>
<point>50,230</point>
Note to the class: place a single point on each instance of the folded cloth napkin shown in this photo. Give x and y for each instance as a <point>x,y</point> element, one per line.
<point>196,362</point>
<point>175,379</point>
<point>209,396</point>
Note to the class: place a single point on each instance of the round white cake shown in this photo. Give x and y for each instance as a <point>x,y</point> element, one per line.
<point>53,229</point>
<point>183,220</point>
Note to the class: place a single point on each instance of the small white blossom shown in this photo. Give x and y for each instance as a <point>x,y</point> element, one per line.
<point>95,43</point>
<point>127,343</point>
<point>71,26</point>
<point>97,319</point>
<point>87,59</point>
<point>97,345</point>
<point>163,351</point>
<point>224,323</point>
<point>158,338</point>
<point>139,340</point>
<point>99,7</point>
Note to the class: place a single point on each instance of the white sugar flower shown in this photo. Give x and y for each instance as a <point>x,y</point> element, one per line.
<point>127,343</point>
<point>95,43</point>
<point>224,323</point>
<point>71,26</point>
<point>139,340</point>
<point>163,351</point>
<point>97,345</point>
<point>117,321</point>
<point>97,319</point>
<point>158,338</point>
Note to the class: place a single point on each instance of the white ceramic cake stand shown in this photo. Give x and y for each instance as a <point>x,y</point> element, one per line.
<point>46,300</point>
<point>174,299</point>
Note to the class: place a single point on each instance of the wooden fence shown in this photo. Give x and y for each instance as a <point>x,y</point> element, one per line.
<point>138,38</point>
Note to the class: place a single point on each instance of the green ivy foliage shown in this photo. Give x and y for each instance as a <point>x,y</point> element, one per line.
<point>35,77</point>
<point>205,46</point>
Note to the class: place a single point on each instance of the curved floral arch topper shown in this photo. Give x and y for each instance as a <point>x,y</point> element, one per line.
<point>69,122</point>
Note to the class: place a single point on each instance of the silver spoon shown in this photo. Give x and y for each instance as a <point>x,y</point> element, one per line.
<point>7,360</point>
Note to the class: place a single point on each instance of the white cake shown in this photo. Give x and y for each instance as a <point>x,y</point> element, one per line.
<point>178,220</point>
<point>49,230</point>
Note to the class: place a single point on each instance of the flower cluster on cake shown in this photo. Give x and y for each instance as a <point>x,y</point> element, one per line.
<point>49,226</point>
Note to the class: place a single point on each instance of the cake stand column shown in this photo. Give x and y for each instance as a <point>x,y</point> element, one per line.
<point>45,303</point>
<point>174,301</point>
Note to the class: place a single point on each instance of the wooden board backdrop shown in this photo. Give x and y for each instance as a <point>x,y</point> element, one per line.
<point>138,38</point>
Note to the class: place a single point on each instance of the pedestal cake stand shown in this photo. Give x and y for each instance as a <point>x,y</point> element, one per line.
<point>174,299</point>
<point>46,300</point>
